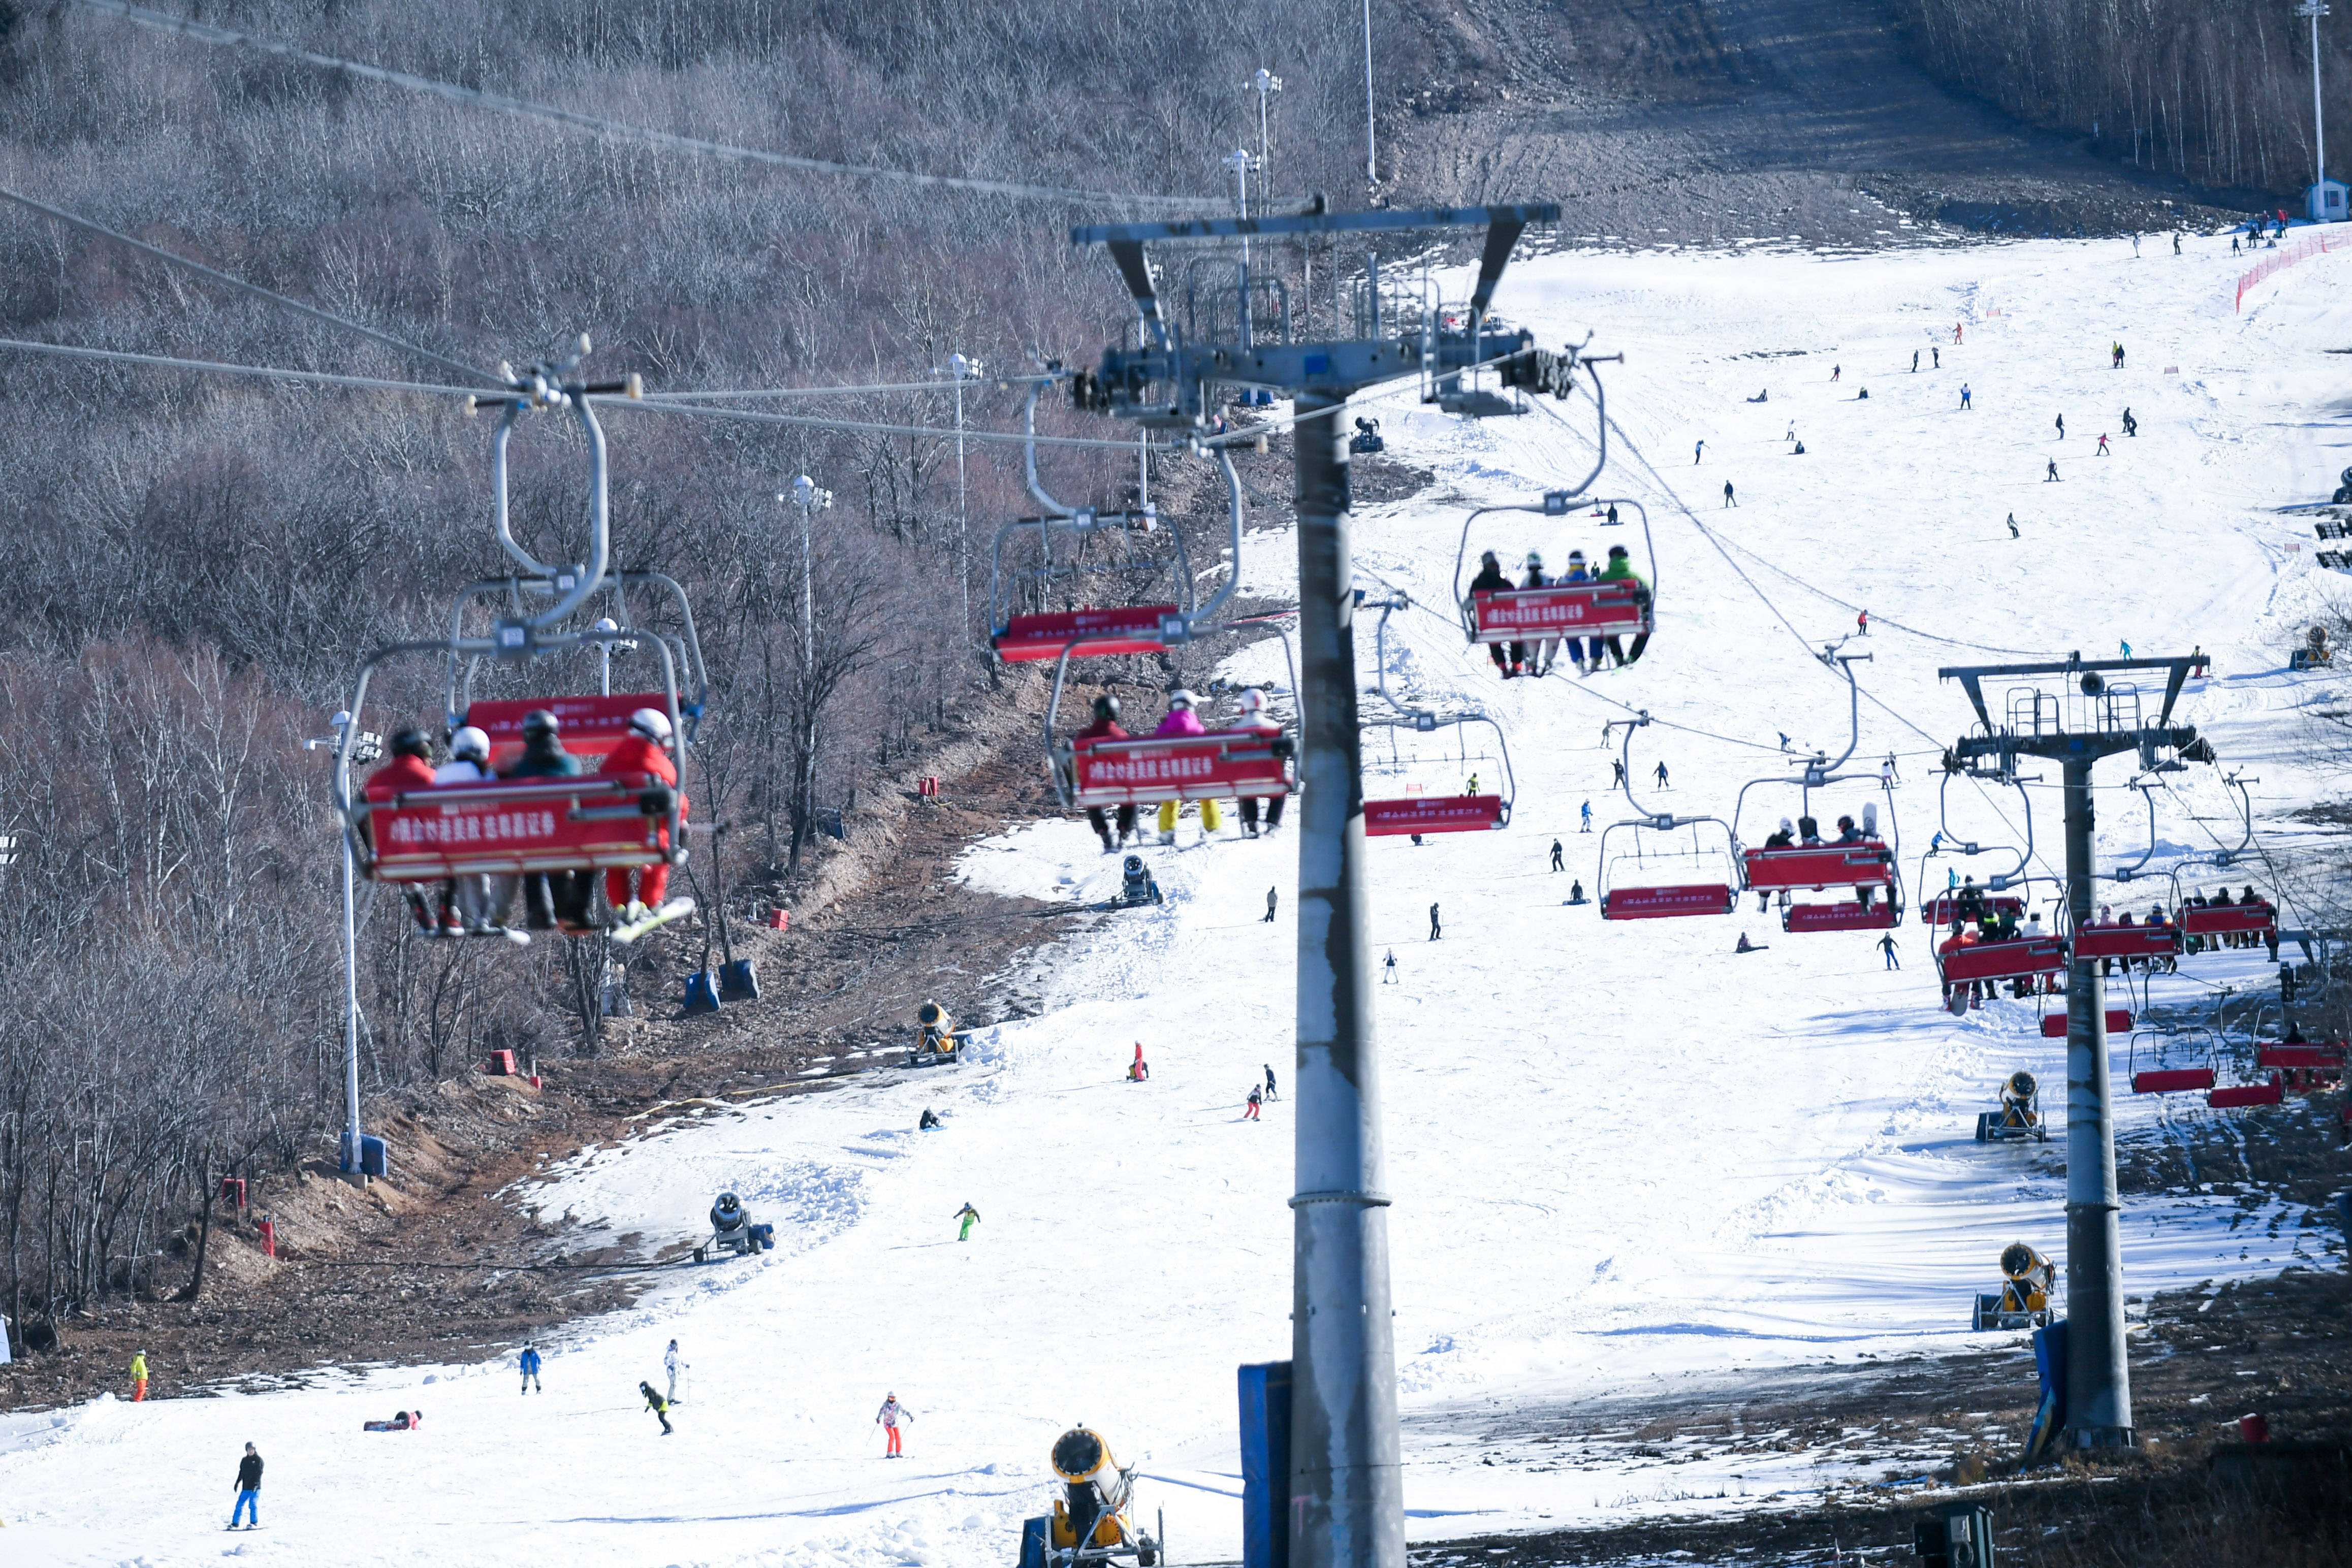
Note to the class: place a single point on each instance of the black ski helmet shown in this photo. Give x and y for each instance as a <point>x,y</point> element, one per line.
<point>1617,552</point>
<point>411,742</point>
<point>1106,707</point>
<point>538,722</point>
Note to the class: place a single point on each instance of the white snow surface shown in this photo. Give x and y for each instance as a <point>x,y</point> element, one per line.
<point>1623,1159</point>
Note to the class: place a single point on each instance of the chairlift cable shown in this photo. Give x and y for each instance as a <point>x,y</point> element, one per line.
<point>255,289</point>
<point>754,416</point>
<point>970,383</point>
<point>159,22</point>
<point>215,367</point>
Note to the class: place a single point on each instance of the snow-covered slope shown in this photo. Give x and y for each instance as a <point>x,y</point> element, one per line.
<point>1621,1153</point>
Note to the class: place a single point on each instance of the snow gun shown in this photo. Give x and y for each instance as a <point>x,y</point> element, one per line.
<point>1091,1521</point>
<point>2023,1301</point>
<point>936,1041</point>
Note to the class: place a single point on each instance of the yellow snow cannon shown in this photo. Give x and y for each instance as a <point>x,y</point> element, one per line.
<point>936,1044</point>
<point>1092,1521</point>
<point>2023,1300</point>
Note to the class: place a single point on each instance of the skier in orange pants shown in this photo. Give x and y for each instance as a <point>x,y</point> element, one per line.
<point>139,1377</point>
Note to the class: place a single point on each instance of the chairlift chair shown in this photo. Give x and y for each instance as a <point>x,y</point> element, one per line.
<point>1868,864</point>
<point>2161,1079</point>
<point>1579,610</point>
<point>1651,897</point>
<point>1145,769</point>
<point>1414,812</point>
<point>1101,630</point>
<point>538,825</point>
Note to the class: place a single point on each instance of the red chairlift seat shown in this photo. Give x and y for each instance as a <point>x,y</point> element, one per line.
<point>1868,864</point>
<point>2328,1058</point>
<point>1944,908</point>
<point>590,727</point>
<point>1564,610</point>
<point>2171,1080</point>
<point>1883,915</point>
<point>2228,919</point>
<point>2127,942</point>
<point>2003,960</point>
<point>1144,770</point>
<point>1433,814</point>
<point>1666,903</point>
<point>2238,1095</point>
<point>1135,629</point>
<point>2054,1025</point>
<point>518,827</point>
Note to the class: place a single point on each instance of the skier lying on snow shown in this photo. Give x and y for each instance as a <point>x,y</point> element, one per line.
<point>406,1421</point>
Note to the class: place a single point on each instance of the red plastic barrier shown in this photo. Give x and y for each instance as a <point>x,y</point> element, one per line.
<point>2227,919</point>
<point>1942,909</point>
<point>1849,915</point>
<point>502,1064</point>
<point>1820,866</point>
<point>2003,960</point>
<point>2054,1025</point>
<point>1135,629</point>
<point>1570,610</point>
<point>780,920</point>
<point>1432,814</point>
<point>1213,767</point>
<point>513,828</point>
<point>2172,1080</point>
<point>233,1191</point>
<point>2240,1095</point>
<point>2127,941</point>
<point>1666,903</point>
<point>269,1239</point>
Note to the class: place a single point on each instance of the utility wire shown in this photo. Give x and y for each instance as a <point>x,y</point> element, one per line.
<point>317,378</point>
<point>971,383</point>
<point>237,283</point>
<point>1877,620</point>
<point>159,22</point>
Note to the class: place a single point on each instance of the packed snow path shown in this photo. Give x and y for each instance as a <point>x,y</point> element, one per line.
<point>1621,1154</point>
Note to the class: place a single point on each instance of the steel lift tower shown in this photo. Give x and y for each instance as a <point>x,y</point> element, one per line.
<point>2101,717</point>
<point>1346,1497</point>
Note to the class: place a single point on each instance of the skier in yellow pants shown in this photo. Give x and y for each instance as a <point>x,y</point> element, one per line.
<point>1212,819</point>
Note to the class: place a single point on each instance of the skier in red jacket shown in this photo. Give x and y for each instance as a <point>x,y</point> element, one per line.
<point>643,750</point>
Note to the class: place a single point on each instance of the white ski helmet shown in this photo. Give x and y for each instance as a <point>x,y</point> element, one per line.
<point>470,744</point>
<point>1180,697</point>
<point>651,723</point>
<point>1253,701</point>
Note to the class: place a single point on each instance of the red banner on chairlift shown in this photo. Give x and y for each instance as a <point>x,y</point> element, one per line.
<point>2003,960</point>
<point>2172,1080</point>
<point>1135,629</point>
<point>1667,902</point>
<point>1944,908</point>
<point>1213,767</point>
<point>1848,915</point>
<point>2054,1025</point>
<point>1819,865</point>
<point>2228,919</point>
<point>514,828</point>
<point>2127,942</point>
<point>1568,610</point>
<point>1433,814</point>
<point>2324,1057</point>
<point>2237,1094</point>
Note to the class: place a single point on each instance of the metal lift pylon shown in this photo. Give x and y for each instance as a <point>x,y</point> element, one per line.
<point>1346,1486</point>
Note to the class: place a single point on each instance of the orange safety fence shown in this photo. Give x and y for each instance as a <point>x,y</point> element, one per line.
<point>2301,250</point>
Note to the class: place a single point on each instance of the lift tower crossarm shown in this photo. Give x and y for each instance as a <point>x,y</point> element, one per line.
<point>1970,675</point>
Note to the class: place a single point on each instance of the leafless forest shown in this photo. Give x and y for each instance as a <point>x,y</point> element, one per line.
<point>2217,91</point>
<point>194,567</point>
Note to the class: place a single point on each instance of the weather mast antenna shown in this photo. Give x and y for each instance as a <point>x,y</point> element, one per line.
<point>1346,1483</point>
<point>2101,717</point>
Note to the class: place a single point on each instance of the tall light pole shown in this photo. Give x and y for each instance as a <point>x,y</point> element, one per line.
<point>963,369</point>
<point>1265,82</point>
<point>809,499</point>
<point>2315,9</point>
<point>1372,156</point>
<point>364,747</point>
<point>1241,161</point>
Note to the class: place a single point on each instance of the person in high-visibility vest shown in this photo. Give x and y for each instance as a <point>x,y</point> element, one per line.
<point>139,1377</point>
